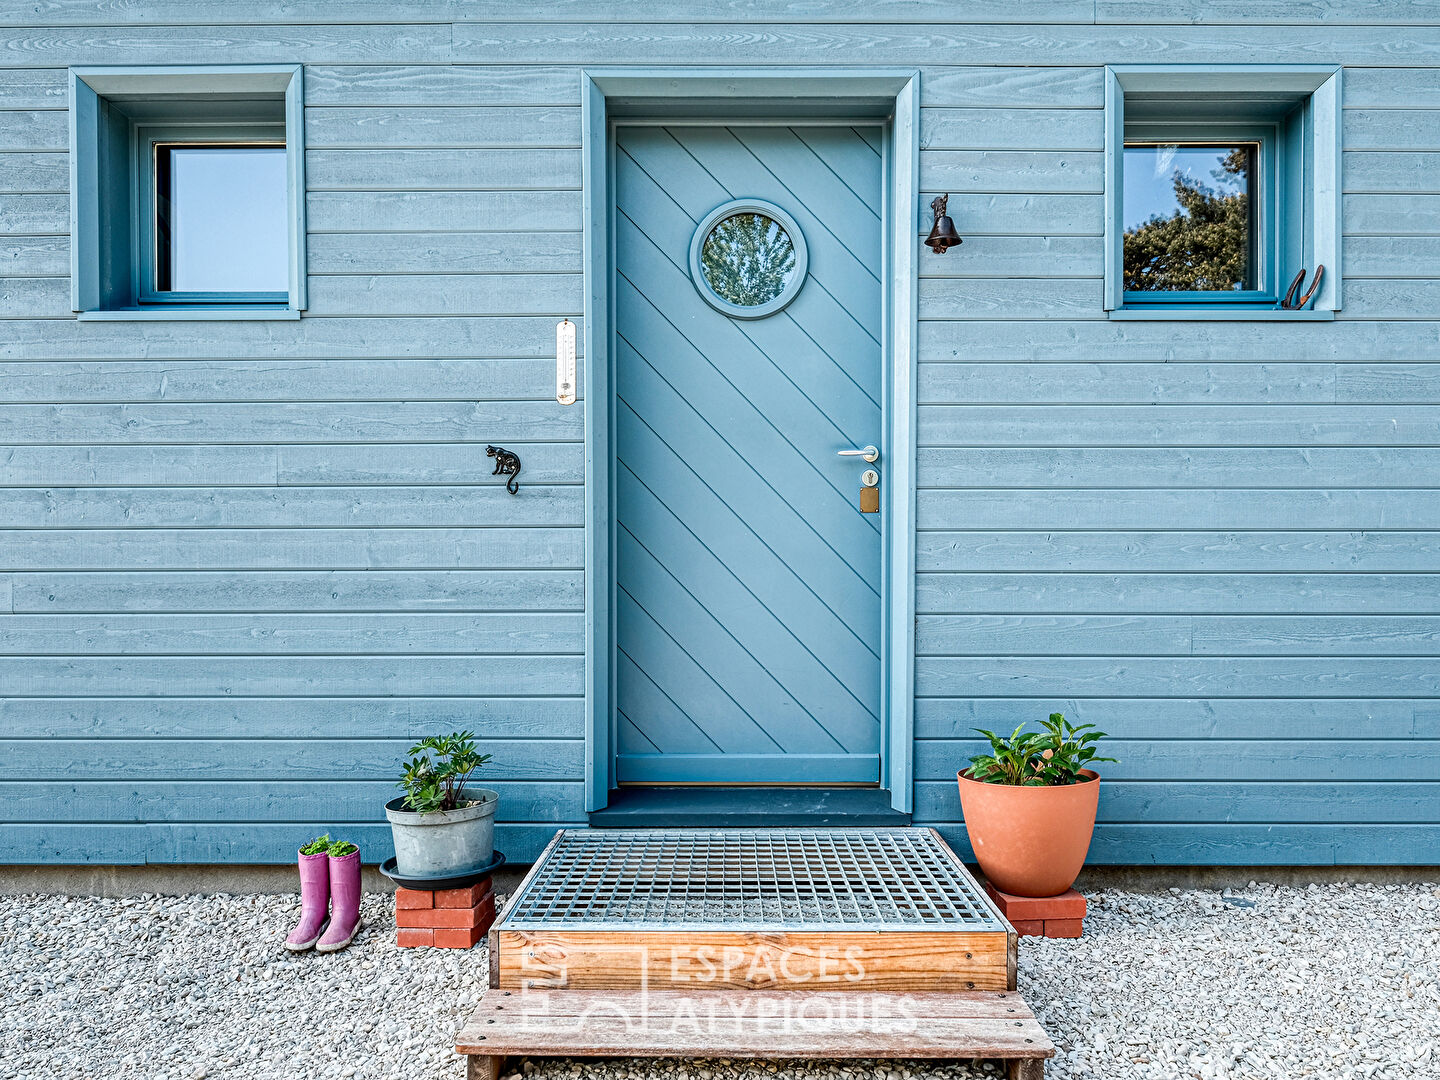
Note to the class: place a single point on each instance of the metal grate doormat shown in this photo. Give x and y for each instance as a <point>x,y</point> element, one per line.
<point>729,879</point>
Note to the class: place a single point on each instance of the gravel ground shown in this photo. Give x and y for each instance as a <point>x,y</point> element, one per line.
<point>1267,982</point>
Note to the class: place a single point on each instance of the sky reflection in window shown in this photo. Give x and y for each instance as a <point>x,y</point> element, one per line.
<point>748,259</point>
<point>223,220</point>
<point>1189,218</point>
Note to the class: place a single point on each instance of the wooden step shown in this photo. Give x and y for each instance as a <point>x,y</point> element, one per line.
<point>744,959</point>
<point>753,1024</point>
<point>859,910</point>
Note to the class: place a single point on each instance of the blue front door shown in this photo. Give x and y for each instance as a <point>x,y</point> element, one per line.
<point>747,637</point>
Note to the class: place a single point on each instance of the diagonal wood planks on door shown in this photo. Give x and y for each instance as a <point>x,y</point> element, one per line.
<point>747,579</point>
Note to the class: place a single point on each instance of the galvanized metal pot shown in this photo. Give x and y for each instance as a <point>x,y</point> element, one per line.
<point>446,841</point>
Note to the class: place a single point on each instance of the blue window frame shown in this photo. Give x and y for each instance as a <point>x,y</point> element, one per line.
<point>1242,210</point>
<point>187,192</point>
<point>210,214</point>
<point>761,284</point>
<point>1269,134</point>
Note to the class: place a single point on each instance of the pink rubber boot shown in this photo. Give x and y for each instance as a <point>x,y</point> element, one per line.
<point>314,902</point>
<point>344,903</point>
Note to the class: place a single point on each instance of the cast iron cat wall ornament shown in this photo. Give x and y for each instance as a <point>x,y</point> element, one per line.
<point>506,464</point>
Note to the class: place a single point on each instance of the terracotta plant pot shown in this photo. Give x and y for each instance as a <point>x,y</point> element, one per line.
<point>1030,841</point>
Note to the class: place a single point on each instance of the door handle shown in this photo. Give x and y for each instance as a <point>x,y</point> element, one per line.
<point>869,453</point>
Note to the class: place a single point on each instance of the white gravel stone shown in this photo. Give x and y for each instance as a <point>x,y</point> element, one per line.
<point>1263,982</point>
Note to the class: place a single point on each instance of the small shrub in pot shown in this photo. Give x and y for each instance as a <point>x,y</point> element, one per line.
<point>1030,805</point>
<point>441,826</point>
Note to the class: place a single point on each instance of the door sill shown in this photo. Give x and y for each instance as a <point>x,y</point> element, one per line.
<point>697,807</point>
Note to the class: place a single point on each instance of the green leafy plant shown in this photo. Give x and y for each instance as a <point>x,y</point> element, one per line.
<point>434,783</point>
<point>318,846</point>
<point>1051,757</point>
<point>340,848</point>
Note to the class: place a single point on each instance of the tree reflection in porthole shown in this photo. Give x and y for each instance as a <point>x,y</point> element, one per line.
<point>748,259</point>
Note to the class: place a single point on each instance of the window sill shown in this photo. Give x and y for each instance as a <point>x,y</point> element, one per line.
<point>189,314</point>
<point>1189,313</point>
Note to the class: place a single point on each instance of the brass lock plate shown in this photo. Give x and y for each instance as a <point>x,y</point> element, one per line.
<point>869,500</point>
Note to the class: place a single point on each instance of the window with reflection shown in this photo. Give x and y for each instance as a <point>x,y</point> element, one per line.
<point>221,219</point>
<point>1190,218</point>
<point>748,259</point>
<point>1222,192</point>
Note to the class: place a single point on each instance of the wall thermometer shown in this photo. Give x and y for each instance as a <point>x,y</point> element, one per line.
<point>565,362</point>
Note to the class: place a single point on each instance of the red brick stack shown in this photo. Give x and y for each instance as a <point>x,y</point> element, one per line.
<point>1060,916</point>
<point>445,918</point>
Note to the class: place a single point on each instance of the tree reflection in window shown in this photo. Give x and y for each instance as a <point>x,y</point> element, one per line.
<point>1190,218</point>
<point>748,259</point>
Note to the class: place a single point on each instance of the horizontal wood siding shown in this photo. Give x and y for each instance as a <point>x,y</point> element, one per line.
<point>242,565</point>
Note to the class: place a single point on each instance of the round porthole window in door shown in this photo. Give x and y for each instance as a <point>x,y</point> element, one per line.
<point>748,259</point>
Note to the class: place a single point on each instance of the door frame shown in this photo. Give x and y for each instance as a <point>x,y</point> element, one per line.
<point>891,96</point>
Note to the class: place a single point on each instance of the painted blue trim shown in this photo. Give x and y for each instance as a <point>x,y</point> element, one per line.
<point>841,91</point>
<point>1231,313</point>
<point>1114,189</point>
<point>84,123</point>
<point>1326,229</point>
<point>837,91</point>
<point>797,276</point>
<point>754,768</point>
<point>295,169</point>
<point>1236,296</point>
<point>1269,216</point>
<point>900,297</point>
<point>88,87</point>
<point>1222,78</point>
<point>713,806</point>
<point>255,299</point>
<point>191,313</point>
<point>143,138</point>
<point>187,79</point>
<point>1313,229</point>
<point>599,479</point>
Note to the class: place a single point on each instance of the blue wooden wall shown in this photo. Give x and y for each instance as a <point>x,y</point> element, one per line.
<point>241,565</point>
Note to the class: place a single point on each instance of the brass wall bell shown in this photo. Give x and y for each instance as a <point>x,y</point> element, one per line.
<point>942,235</point>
